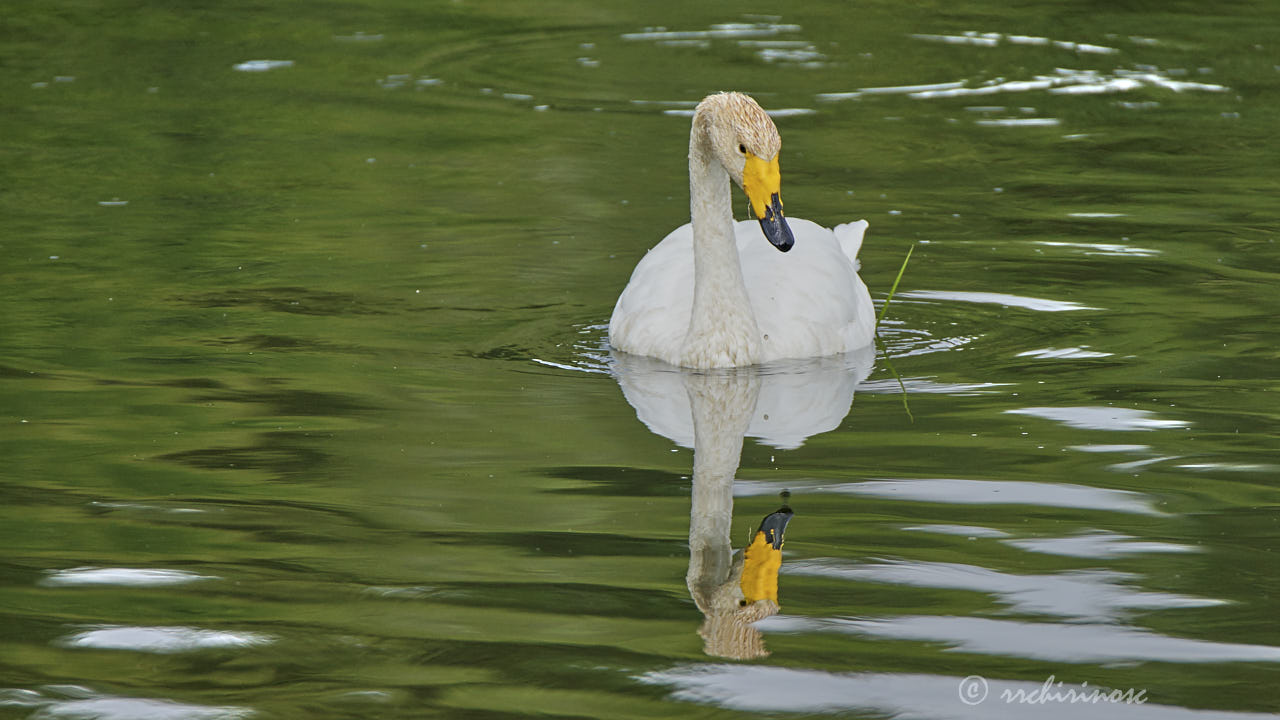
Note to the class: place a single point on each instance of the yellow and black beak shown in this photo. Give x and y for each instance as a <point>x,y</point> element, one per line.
<point>763,182</point>
<point>763,557</point>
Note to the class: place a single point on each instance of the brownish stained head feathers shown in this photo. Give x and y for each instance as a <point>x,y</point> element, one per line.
<point>750,124</point>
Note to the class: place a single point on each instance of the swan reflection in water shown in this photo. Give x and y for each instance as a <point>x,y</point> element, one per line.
<point>712,411</point>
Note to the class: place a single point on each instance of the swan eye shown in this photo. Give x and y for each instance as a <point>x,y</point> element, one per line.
<point>742,148</point>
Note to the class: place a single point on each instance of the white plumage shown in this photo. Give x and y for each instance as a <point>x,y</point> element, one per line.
<point>808,302</point>
<point>715,293</point>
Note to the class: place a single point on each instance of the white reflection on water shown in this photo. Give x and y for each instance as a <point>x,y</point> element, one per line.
<point>674,103</point>
<point>261,65</point>
<point>904,696</point>
<point>135,577</point>
<point>1072,643</point>
<point>797,398</point>
<point>81,703</point>
<point>721,30</point>
<point>790,112</point>
<point>1064,81</point>
<point>1101,418</point>
<point>161,639</point>
<point>924,385</point>
<point>970,38</point>
<point>799,53</point>
<point>786,51</point>
<point>779,113</point>
<point>1231,467</point>
<point>1028,303</point>
<point>889,90</point>
<point>142,506</point>
<point>974,492</point>
<point>1129,467</point>
<point>1098,545</point>
<point>1071,353</point>
<point>906,342</point>
<point>117,708</point>
<point>1091,83</point>
<point>1020,122</point>
<point>991,87</point>
<point>1104,448</point>
<point>992,39</point>
<point>1085,595</point>
<point>1102,249</point>
<point>974,531</point>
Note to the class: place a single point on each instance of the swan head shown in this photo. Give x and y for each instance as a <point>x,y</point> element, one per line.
<point>743,138</point>
<point>750,594</point>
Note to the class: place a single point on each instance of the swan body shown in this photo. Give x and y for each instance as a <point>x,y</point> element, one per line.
<point>809,302</point>
<point>713,293</point>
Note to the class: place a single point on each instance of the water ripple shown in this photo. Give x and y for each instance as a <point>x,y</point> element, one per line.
<point>798,53</point>
<point>1069,81</point>
<point>1101,418</point>
<point>262,65</point>
<point>1019,122</point>
<point>992,39</point>
<point>974,492</point>
<point>1101,249</point>
<point>1073,643</point>
<point>1071,353</point>
<point>762,688</point>
<point>1027,303</point>
<point>973,531</point>
<point>721,30</point>
<point>80,703</point>
<point>889,90</point>
<point>1087,595</point>
<point>161,639</point>
<point>1098,545</point>
<point>136,577</point>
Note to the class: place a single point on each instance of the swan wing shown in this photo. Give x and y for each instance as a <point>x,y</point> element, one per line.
<point>810,301</point>
<point>651,316</point>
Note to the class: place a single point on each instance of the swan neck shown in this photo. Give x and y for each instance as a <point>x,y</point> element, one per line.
<point>722,328</point>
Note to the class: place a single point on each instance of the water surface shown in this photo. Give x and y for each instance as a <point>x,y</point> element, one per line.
<point>309,413</point>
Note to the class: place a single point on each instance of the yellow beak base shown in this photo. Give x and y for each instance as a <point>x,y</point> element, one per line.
<point>760,570</point>
<point>762,179</point>
<point>763,182</point>
<point>763,558</point>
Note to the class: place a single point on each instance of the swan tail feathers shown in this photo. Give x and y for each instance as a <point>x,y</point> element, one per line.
<point>849,235</point>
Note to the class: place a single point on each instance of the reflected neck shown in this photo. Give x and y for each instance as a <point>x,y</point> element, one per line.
<point>722,408</point>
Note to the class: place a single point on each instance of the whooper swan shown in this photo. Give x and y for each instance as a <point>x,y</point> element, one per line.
<point>712,294</point>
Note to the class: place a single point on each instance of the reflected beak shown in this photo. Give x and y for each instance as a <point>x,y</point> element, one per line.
<point>763,558</point>
<point>762,180</point>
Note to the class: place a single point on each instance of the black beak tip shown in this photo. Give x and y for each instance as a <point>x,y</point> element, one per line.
<point>774,525</point>
<point>775,226</point>
<point>788,240</point>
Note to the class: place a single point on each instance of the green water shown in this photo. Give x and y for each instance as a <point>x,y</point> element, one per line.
<point>307,411</point>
